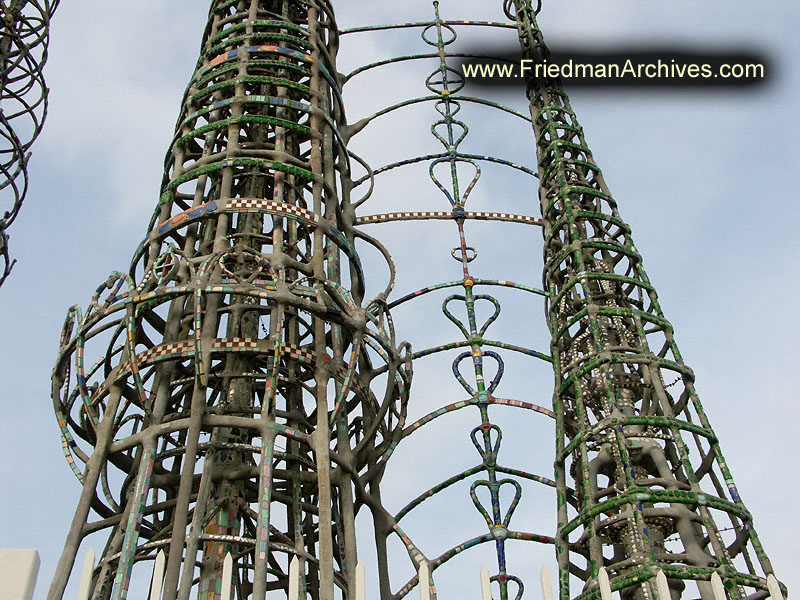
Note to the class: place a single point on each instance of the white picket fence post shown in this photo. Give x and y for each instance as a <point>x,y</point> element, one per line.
<point>294,579</point>
<point>717,588</point>
<point>361,581</point>
<point>86,575</point>
<point>486,585</point>
<point>227,576</point>
<point>604,583</point>
<point>662,587</point>
<point>424,578</point>
<point>158,575</point>
<point>18,572</point>
<point>774,589</point>
<point>547,586</point>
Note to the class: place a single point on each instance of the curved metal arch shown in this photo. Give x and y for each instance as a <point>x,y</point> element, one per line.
<point>399,59</point>
<point>418,159</point>
<point>473,99</point>
<point>498,282</point>
<point>496,344</point>
<point>450,408</point>
<point>447,216</point>
<point>471,543</point>
<point>367,28</point>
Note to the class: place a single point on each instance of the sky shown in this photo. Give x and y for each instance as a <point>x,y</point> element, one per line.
<point>704,178</point>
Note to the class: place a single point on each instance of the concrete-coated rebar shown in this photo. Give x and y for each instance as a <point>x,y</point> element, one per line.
<point>233,402</point>
<point>641,480</point>
<point>24,37</point>
<point>246,395</point>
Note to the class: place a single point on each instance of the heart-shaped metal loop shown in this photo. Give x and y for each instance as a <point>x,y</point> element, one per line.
<point>445,140</point>
<point>478,364</point>
<point>487,448</point>
<point>494,491</point>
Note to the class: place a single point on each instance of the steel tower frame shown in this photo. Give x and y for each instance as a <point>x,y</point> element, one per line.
<point>636,458</point>
<point>235,394</point>
<point>243,324</point>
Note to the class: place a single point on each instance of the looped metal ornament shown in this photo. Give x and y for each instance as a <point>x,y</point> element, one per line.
<point>467,254</point>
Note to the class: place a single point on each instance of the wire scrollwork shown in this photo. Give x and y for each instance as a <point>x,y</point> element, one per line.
<point>24,37</point>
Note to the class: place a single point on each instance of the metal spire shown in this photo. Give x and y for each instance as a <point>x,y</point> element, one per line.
<point>232,409</point>
<point>642,482</point>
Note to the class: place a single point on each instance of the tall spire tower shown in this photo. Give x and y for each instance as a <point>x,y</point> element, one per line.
<point>642,484</point>
<point>234,402</point>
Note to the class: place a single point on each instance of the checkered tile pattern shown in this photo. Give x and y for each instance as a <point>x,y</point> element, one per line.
<point>271,207</point>
<point>416,216</point>
<point>238,205</point>
<point>165,351</point>
<point>235,344</point>
<point>302,354</point>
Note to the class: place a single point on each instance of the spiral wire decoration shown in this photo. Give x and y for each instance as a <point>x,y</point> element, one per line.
<point>24,37</point>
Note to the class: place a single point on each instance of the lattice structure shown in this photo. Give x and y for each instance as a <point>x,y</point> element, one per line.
<point>24,35</point>
<point>233,404</point>
<point>642,482</point>
<point>248,395</point>
<point>479,358</point>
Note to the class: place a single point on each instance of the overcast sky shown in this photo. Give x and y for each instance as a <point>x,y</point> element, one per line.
<point>705,179</point>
